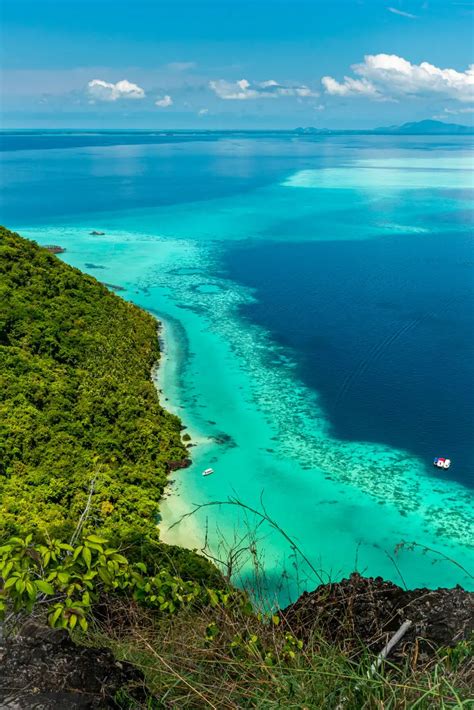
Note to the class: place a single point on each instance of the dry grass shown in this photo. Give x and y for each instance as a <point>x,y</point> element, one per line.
<point>184,669</point>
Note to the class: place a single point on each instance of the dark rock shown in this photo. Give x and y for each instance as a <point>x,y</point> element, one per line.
<point>175,465</point>
<point>113,286</point>
<point>54,249</point>
<point>95,233</point>
<point>370,611</point>
<point>43,668</point>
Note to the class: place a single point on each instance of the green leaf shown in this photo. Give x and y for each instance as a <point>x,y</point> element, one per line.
<point>87,556</point>
<point>45,587</point>
<point>120,558</point>
<point>63,577</point>
<point>83,623</point>
<point>275,619</point>
<point>72,621</point>
<point>77,552</point>
<point>56,615</point>
<point>97,539</point>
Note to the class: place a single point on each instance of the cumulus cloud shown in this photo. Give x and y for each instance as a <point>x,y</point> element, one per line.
<point>164,101</point>
<point>381,76</point>
<point>243,90</point>
<point>350,87</point>
<point>402,13</point>
<point>100,90</point>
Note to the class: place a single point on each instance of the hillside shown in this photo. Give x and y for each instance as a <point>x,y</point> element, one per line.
<point>79,412</point>
<point>85,452</point>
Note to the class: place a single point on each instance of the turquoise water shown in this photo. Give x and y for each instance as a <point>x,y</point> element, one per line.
<point>287,337</point>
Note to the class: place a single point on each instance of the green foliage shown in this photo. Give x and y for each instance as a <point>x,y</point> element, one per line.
<point>77,403</point>
<point>69,579</point>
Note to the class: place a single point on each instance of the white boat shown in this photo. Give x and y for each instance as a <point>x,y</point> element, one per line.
<point>208,471</point>
<point>441,462</point>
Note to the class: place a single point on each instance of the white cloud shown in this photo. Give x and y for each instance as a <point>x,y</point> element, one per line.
<point>164,101</point>
<point>243,90</point>
<point>402,13</point>
<point>385,76</point>
<point>203,111</point>
<point>456,111</point>
<point>319,107</point>
<point>100,90</point>
<point>350,87</point>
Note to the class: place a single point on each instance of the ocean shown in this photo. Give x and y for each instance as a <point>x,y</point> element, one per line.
<point>317,302</point>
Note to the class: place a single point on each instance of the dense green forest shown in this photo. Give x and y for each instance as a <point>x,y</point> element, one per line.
<point>78,410</point>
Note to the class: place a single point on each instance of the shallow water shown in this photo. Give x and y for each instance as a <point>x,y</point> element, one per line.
<point>317,300</point>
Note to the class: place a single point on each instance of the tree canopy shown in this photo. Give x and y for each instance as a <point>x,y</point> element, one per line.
<point>78,410</point>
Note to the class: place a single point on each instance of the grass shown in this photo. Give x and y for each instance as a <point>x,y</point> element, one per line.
<point>186,666</point>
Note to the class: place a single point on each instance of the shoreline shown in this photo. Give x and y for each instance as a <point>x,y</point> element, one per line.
<point>263,435</point>
<point>173,506</point>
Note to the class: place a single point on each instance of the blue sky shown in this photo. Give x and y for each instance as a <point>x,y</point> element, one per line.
<point>235,63</point>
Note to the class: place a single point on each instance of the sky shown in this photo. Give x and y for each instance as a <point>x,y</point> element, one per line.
<point>215,64</point>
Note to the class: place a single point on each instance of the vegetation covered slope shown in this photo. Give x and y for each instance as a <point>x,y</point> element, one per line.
<point>78,410</point>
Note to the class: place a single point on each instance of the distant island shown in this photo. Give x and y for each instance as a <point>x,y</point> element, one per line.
<point>417,128</point>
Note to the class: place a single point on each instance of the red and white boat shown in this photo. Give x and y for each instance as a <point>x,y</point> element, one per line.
<point>440,462</point>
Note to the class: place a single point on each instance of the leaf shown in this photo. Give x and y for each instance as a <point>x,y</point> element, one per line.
<point>213,598</point>
<point>56,615</point>
<point>275,619</point>
<point>83,623</point>
<point>77,552</point>
<point>72,621</point>
<point>87,556</point>
<point>105,576</point>
<point>10,582</point>
<point>97,539</point>
<point>45,587</point>
<point>63,577</point>
<point>7,569</point>
<point>120,558</point>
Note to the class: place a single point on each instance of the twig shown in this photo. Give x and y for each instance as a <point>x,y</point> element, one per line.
<point>389,646</point>
<point>264,516</point>
<point>85,512</point>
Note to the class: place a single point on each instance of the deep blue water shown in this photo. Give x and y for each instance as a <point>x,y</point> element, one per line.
<point>383,329</point>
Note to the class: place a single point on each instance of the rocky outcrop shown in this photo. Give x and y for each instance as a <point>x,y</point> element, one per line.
<point>54,249</point>
<point>176,465</point>
<point>42,668</point>
<point>369,611</point>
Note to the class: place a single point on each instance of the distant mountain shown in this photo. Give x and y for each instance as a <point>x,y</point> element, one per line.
<point>418,128</point>
<point>427,128</point>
